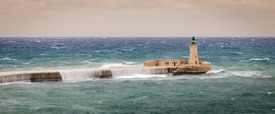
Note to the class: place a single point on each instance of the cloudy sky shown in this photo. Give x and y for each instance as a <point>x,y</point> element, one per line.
<point>137,18</point>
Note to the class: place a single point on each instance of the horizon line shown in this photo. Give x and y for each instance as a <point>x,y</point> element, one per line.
<point>136,36</point>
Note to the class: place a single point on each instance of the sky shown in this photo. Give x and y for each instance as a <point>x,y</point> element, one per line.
<point>137,18</point>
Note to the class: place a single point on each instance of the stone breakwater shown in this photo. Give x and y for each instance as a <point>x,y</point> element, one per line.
<point>78,74</point>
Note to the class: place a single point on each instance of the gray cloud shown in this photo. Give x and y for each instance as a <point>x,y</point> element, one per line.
<point>137,17</point>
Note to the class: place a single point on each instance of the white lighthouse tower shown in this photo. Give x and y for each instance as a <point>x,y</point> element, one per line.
<point>193,57</point>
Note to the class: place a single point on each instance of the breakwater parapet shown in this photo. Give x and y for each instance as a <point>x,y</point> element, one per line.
<point>78,74</point>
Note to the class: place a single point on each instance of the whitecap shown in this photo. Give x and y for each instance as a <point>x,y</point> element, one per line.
<point>270,93</point>
<point>27,63</point>
<point>212,77</point>
<point>259,59</point>
<point>214,71</point>
<point>130,63</point>
<point>7,58</point>
<point>248,74</point>
<point>185,56</point>
<point>55,47</point>
<point>20,82</point>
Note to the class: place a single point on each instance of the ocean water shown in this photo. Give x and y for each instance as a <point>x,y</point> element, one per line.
<point>242,79</point>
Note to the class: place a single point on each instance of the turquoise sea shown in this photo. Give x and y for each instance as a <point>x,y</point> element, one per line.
<point>242,79</point>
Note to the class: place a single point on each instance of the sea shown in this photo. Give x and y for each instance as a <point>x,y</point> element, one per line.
<point>242,80</point>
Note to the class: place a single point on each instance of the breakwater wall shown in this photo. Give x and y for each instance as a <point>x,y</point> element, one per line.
<point>78,74</point>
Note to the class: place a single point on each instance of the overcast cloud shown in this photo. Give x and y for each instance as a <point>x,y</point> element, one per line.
<point>137,18</point>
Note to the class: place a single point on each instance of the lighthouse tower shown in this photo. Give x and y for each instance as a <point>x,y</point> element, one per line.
<point>193,57</point>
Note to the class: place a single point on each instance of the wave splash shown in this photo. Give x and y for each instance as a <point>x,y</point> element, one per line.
<point>88,74</point>
<point>137,73</point>
<point>77,75</point>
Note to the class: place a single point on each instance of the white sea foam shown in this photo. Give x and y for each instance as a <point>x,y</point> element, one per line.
<point>7,83</point>
<point>27,63</point>
<point>140,76</point>
<point>20,82</point>
<point>214,71</point>
<point>130,63</point>
<point>259,59</point>
<point>212,77</point>
<point>270,93</point>
<point>226,74</point>
<point>125,64</point>
<point>248,74</point>
<point>6,58</point>
<point>55,47</point>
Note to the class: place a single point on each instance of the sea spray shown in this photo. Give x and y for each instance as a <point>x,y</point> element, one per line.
<point>123,64</point>
<point>137,72</point>
<point>75,75</point>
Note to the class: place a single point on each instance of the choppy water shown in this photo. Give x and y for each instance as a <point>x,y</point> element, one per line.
<point>242,80</point>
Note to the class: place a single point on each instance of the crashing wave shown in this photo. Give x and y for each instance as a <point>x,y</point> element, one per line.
<point>73,75</point>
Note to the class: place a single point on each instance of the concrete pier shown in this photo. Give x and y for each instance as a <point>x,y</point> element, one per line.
<point>31,76</point>
<point>42,76</point>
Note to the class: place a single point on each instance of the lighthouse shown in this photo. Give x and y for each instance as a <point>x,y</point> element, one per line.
<point>179,67</point>
<point>193,57</point>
